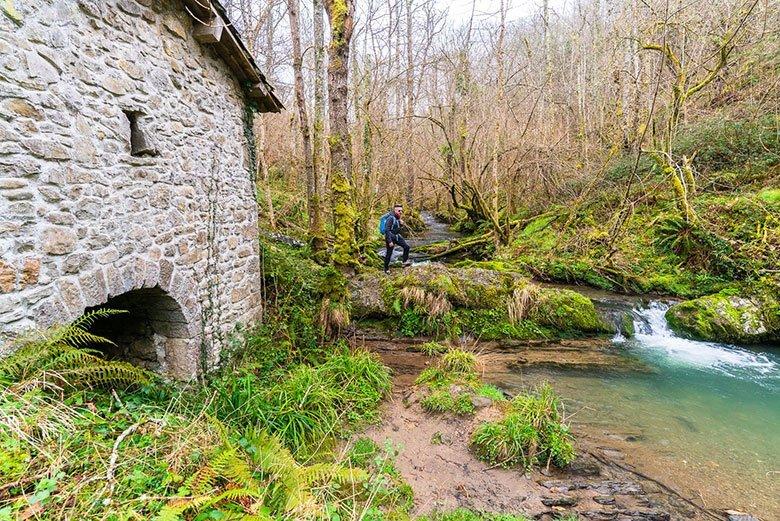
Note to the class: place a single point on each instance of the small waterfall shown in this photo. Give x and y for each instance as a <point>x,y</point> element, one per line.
<point>653,333</point>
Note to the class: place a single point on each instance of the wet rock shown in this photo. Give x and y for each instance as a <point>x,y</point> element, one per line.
<point>645,515</point>
<point>726,318</point>
<point>736,515</point>
<point>480,402</point>
<point>562,501</point>
<point>598,515</point>
<point>612,488</point>
<point>585,466</point>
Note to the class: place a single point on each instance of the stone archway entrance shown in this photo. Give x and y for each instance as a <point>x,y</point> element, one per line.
<point>153,334</point>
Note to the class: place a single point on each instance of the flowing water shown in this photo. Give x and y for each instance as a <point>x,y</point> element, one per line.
<point>706,418</point>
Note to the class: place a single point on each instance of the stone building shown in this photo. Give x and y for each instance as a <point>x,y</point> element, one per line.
<point>126,176</point>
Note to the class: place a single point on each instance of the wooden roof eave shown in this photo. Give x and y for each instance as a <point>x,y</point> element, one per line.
<point>231,49</point>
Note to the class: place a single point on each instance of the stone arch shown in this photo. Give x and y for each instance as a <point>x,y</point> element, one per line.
<point>154,333</point>
<point>162,330</point>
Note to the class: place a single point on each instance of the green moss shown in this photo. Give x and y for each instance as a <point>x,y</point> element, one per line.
<point>567,310</point>
<point>345,251</point>
<point>494,324</point>
<point>726,318</point>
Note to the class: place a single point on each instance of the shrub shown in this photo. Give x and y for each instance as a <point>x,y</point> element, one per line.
<point>532,432</point>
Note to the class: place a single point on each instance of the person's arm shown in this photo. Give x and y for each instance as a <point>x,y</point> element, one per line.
<point>389,225</point>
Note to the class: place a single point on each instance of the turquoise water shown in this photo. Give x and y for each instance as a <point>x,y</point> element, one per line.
<point>705,419</point>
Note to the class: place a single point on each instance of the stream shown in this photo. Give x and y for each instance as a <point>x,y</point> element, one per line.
<point>704,416</point>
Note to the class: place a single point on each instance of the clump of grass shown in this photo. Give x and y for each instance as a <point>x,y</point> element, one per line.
<point>452,382</point>
<point>490,391</point>
<point>459,363</point>
<point>442,400</point>
<point>532,432</point>
<point>433,348</point>
<point>435,304</point>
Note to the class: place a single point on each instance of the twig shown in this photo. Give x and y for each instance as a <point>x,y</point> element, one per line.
<point>115,453</point>
<point>116,397</point>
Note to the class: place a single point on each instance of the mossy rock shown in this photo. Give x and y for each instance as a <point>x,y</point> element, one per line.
<point>567,310</point>
<point>726,318</point>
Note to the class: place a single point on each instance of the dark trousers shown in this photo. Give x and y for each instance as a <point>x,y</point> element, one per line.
<point>399,241</point>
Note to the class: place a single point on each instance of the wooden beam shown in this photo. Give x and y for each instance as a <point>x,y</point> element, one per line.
<point>258,90</point>
<point>210,32</point>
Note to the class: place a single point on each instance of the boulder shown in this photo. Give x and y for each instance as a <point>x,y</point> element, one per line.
<point>726,318</point>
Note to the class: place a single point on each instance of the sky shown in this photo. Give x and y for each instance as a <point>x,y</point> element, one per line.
<point>460,10</point>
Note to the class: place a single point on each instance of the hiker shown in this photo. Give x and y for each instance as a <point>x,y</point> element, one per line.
<point>390,225</point>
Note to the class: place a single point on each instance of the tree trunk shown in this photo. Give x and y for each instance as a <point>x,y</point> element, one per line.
<point>340,15</point>
<point>312,201</point>
<point>411,178</point>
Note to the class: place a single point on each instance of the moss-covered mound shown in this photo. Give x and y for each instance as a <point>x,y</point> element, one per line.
<point>439,300</point>
<point>727,318</point>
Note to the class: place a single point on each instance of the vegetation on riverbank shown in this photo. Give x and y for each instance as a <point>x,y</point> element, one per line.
<point>445,302</point>
<point>531,432</point>
<point>453,385</point>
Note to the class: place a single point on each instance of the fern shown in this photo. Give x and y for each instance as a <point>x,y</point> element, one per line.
<point>61,354</point>
<point>260,472</point>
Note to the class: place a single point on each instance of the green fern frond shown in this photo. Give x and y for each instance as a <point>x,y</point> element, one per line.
<point>233,468</point>
<point>88,319</point>
<point>104,375</point>
<point>202,481</point>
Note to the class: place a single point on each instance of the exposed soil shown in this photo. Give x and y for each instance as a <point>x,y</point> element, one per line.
<point>436,461</point>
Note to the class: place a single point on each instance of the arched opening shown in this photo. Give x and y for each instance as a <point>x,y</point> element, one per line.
<point>152,334</point>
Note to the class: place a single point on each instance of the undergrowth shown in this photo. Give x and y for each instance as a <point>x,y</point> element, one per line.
<point>532,432</point>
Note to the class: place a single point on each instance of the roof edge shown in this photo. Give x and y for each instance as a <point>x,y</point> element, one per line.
<point>211,15</point>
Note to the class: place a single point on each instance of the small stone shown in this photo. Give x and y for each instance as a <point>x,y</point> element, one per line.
<point>18,195</point>
<point>736,515</point>
<point>480,402</point>
<point>57,240</point>
<point>31,271</point>
<point>39,67</point>
<point>115,85</point>
<point>130,7</point>
<point>12,183</point>
<point>561,501</point>
<point>7,277</point>
<point>604,500</point>
<point>24,108</point>
<point>175,27</point>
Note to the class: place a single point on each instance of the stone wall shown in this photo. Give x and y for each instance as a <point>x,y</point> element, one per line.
<point>81,219</point>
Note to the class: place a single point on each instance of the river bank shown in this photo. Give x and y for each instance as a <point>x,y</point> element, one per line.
<point>611,445</point>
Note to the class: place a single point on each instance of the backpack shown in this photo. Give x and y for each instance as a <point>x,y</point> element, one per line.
<point>383,222</point>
